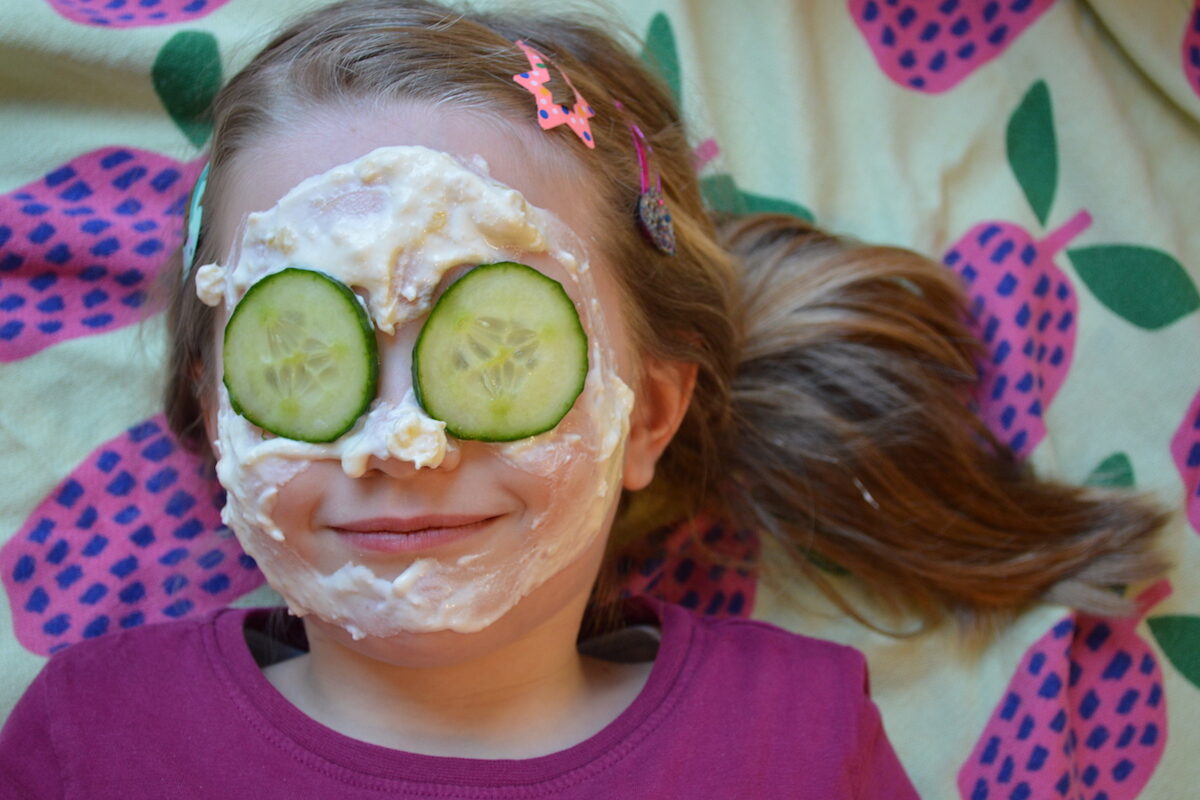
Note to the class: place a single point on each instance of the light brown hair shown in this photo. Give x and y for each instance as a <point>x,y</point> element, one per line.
<point>830,406</point>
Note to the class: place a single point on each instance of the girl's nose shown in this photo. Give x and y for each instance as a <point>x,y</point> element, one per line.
<point>395,361</point>
<point>398,437</point>
<point>398,466</point>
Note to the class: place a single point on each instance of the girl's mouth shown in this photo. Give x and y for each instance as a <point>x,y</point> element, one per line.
<point>410,534</point>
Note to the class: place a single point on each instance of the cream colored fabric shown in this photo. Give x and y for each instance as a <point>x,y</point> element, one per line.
<point>802,114</point>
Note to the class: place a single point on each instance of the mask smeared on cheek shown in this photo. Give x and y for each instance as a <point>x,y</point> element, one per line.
<point>391,225</point>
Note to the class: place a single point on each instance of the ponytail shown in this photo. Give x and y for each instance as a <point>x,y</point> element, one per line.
<point>851,442</point>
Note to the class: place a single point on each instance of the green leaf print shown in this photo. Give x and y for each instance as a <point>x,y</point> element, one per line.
<point>1144,286</point>
<point>1116,471</point>
<point>1033,151</point>
<point>1179,637</point>
<point>721,193</point>
<point>661,55</point>
<point>186,76</point>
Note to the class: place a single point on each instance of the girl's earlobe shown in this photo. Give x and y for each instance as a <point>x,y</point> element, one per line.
<point>659,406</point>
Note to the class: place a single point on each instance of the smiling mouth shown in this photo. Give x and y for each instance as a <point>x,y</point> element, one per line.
<point>410,534</point>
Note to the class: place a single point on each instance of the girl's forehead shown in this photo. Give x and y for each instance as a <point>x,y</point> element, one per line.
<point>519,156</point>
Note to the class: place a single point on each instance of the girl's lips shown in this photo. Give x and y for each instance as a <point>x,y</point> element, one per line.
<point>409,534</point>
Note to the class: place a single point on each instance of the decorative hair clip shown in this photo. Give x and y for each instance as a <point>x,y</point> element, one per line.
<point>193,222</point>
<point>654,218</point>
<point>551,114</point>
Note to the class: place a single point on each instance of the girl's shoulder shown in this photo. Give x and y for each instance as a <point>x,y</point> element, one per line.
<point>731,648</point>
<point>748,631</point>
<point>99,700</point>
<point>795,708</point>
<point>147,664</point>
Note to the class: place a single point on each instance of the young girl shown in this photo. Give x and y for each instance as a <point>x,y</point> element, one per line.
<point>462,336</point>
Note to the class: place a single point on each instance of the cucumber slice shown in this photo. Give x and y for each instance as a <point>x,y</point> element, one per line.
<point>502,356</point>
<point>300,356</point>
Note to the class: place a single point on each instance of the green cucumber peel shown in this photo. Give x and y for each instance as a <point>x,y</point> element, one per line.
<point>300,355</point>
<point>502,356</point>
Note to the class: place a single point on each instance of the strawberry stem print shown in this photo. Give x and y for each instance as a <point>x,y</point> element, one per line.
<point>931,45</point>
<point>187,75</point>
<point>1179,637</point>
<point>703,153</point>
<point>1114,472</point>
<point>1144,286</point>
<point>720,191</point>
<point>133,13</point>
<point>662,56</point>
<point>1084,716</point>
<point>1032,150</point>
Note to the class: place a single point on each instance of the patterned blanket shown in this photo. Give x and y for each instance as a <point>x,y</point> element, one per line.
<point>1047,152</point>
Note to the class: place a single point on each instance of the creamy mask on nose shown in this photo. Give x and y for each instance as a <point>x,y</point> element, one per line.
<point>390,225</point>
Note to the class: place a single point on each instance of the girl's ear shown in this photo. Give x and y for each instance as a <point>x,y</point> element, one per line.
<point>661,401</point>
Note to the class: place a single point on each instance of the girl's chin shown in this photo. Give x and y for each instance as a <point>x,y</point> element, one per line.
<point>550,613</point>
<point>429,650</point>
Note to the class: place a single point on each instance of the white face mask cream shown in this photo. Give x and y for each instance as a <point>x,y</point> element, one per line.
<point>391,225</point>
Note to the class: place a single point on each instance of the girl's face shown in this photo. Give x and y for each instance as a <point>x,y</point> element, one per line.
<point>396,528</point>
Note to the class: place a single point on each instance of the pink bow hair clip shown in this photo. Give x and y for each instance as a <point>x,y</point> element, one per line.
<point>551,114</point>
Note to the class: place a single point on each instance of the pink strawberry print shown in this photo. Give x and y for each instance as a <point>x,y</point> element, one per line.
<point>132,536</point>
<point>931,45</point>
<point>710,576</point>
<point>80,247</point>
<point>1185,452</point>
<point>1084,717</point>
<point>1024,309</point>
<point>133,13</point>
<point>1191,49</point>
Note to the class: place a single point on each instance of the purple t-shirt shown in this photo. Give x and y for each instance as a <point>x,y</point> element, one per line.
<point>732,708</point>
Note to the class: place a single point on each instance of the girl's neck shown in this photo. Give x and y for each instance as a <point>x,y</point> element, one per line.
<point>530,697</point>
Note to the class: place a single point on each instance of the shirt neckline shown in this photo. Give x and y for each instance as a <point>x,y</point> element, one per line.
<point>273,714</point>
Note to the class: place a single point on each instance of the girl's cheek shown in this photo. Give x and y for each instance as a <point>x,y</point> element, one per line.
<point>304,507</point>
